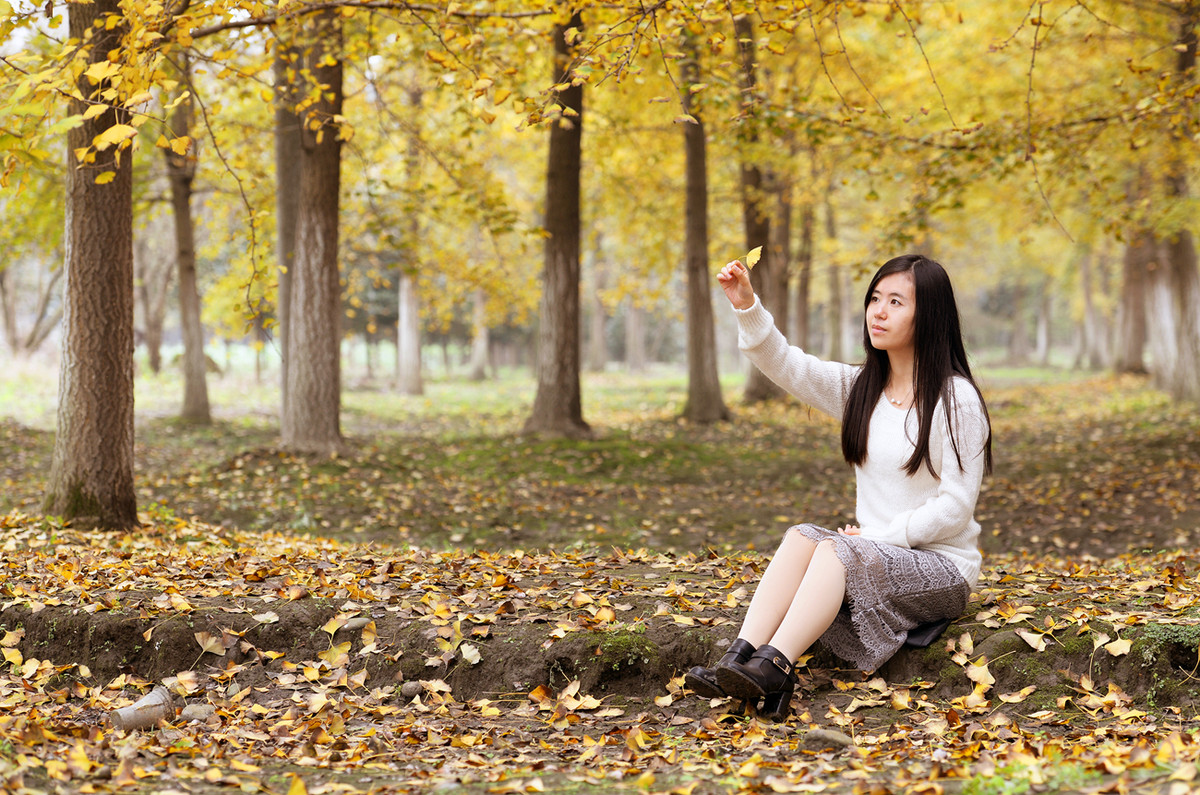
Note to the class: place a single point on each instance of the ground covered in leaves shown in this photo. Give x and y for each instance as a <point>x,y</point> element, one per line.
<point>450,606</point>
<point>325,667</point>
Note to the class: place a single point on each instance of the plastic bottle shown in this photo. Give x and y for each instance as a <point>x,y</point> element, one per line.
<point>147,711</point>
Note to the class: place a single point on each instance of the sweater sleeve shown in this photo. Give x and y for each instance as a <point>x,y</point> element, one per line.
<point>947,515</point>
<point>823,385</point>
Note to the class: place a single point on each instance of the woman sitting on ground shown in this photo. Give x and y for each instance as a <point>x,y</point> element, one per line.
<point>916,430</point>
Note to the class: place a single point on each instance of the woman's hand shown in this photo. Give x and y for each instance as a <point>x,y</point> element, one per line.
<point>850,530</point>
<point>734,279</point>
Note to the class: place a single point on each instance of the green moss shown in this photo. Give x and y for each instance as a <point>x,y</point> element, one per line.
<point>1161,650</point>
<point>1077,645</point>
<point>624,648</point>
<point>1154,639</point>
<point>74,502</point>
<point>934,655</point>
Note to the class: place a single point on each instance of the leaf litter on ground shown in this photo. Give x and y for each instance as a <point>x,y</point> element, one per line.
<point>327,704</point>
<point>359,666</point>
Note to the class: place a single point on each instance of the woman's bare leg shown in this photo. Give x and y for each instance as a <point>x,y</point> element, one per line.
<point>814,605</point>
<point>777,589</point>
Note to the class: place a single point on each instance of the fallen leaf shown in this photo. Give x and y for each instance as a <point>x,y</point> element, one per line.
<point>1118,647</point>
<point>213,644</point>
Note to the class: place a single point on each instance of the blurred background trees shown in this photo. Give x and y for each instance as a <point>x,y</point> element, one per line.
<point>390,195</point>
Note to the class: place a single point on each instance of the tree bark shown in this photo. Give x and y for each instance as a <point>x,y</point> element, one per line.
<point>311,420</point>
<point>781,254</point>
<point>597,317</point>
<point>1095,342</point>
<point>44,319</point>
<point>480,336</point>
<point>409,380</point>
<point>557,405</point>
<point>1183,279</point>
<point>1044,311</point>
<point>755,219</point>
<point>8,305</point>
<point>181,170</point>
<point>1019,344</point>
<point>1175,283</point>
<point>835,350</point>
<point>152,280</point>
<point>705,404</point>
<point>635,339</point>
<point>798,326</point>
<point>1162,327</point>
<point>91,469</point>
<point>287,197</point>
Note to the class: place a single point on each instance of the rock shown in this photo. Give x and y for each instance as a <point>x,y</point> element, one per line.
<point>825,740</point>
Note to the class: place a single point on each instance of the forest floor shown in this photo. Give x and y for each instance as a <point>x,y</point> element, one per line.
<point>450,606</point>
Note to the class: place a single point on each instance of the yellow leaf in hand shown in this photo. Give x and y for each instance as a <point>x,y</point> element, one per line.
<point>752,257</point>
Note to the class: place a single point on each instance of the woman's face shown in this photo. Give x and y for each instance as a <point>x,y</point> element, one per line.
<point>891,309</point>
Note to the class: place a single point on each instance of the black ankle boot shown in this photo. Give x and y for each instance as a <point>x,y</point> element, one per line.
<point>703,681</point>
<point>777,705</point>
<point>767,671</point>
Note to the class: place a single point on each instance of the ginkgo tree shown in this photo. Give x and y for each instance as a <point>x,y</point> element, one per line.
<point>885,121</point>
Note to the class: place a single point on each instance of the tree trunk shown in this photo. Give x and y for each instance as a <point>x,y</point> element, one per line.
<point>480,336</point>
<point>1162,327</point>
<point>409,380</point>
<point>835,351</point>
<point>91,470</point>
<point>558,405</point>
<point>705,404</point>
<point>311,413</point>
<point>1176,282</point>
<point>152,279</point>
<point>287,197</point>
<point>798,317</point>
<point>1019,344</point>
<point>635,339</point>
<point>1092,340</point>
<point>1045,306</point>
<point>852,315</point>
<point>597,317</point>
<point>181,169</point>
<point>756,220</point>
<point>8,305</point>
<point>1183,279</point>
<point>781,254</point>
<point>44,320</point>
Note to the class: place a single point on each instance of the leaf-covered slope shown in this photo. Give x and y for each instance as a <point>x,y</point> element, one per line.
<point>371,669</point>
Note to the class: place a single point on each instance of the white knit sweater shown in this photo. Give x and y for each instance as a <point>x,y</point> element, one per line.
<point>917,511</point>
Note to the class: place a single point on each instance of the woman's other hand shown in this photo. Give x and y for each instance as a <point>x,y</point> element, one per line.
<point>850,530</point>
<point>734,279</point>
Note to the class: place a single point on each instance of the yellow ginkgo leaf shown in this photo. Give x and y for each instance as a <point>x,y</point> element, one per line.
<point>1118,647</point>
<point>211,643</point>
<point>113,135</point>
<point>752,257</point>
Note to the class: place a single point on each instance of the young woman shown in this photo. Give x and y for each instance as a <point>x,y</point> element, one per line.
<point>917,432</point>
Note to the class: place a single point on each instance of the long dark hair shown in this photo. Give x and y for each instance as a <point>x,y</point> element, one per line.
<point>939,356</point>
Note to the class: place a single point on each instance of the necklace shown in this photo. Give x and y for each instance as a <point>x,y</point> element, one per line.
<point>892,400</point>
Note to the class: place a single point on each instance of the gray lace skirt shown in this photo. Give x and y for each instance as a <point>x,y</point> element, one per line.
<point>889,590</point>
